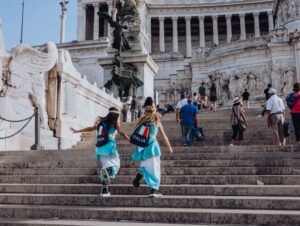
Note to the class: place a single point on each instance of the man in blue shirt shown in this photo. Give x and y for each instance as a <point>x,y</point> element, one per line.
<point>189,122</point>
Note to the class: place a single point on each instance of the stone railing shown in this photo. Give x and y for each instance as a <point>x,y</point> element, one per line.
<point>201,53</point>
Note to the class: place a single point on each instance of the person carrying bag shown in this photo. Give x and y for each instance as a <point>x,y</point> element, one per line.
<point>239,123</point>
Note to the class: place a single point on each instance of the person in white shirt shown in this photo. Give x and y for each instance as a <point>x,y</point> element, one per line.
<point>275,116</point>
<point>180,104</point>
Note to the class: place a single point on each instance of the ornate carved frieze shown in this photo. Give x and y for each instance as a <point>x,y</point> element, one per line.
<point>280,35</point>
<point>287,10</point>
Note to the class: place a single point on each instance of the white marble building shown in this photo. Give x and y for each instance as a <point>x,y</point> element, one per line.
<point>235,43</point>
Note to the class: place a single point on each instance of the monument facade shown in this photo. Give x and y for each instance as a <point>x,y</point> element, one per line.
<point>235,43</point>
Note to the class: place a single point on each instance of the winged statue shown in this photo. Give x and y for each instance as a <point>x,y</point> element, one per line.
<point>22,75</point>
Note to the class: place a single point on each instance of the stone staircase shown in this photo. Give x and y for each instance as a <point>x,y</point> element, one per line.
<point>209,184</point>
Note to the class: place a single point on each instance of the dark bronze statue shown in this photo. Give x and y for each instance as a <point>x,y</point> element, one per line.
<point>124,74</point>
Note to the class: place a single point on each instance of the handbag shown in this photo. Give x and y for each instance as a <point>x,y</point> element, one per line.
<point>242,124</point>
<point>198,133</point>
<point>286,127</point>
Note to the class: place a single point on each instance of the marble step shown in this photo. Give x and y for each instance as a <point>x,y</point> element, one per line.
<point>155,215</point>
<point>207,149</point>
<point>179,143</point>
<point>56,222</point>
<point>119,189</point>
<point>182,155</point>
<point>165,163</point>
<point>164,171</point>
<point>213,202</point>
<point>174,179</point>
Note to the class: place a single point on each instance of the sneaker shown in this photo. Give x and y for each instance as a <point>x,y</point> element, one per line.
<point>231,145</point>
<point>259,116</point>
<point>136,181</point>
<point>155,194</point>
<point>105,175</point>
<point>105,192</point>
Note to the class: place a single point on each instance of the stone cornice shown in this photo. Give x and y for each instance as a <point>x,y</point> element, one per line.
<point>204,3</point>
<point>131,58</point>
<point>208,10</point>
<point>102,43</point>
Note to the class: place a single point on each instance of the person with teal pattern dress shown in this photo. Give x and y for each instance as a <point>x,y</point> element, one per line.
<point>108,153</point>
<point>149,156</point>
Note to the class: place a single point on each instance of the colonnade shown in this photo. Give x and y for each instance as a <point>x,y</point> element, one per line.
<point>82,20</point>
<point>201,19</point>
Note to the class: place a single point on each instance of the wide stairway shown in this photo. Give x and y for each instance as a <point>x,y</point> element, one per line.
<point>209,184</point>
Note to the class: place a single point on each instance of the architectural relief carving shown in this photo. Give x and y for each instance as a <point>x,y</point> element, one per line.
<point>232,83</point>
<point>280,35</point>
<point>287,10</point>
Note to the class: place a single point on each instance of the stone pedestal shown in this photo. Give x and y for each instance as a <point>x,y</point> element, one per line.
<point>147,70</point>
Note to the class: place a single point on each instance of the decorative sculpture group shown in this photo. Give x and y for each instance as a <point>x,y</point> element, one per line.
<point>22,77</point>
<point>124,75</point>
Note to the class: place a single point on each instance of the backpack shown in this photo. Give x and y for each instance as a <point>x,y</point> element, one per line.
<point>141,135</point>
<point>102,134</point>
<point>291,100</point>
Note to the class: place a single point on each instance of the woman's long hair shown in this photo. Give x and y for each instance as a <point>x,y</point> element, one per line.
<point>148,102</point>
<point>111,118</point>
<point>150,115</point>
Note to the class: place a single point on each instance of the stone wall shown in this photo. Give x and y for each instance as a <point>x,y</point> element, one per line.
<point>80,102</point>
<point>239,68</point>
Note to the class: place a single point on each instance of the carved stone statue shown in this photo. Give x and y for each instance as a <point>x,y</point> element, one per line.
<point>124,75</point>
<point>22,76</point>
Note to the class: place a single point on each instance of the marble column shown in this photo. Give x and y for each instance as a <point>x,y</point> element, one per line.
<point>243,26</point>
<point>162,47</point>
<point>96,21</point>
<point>270,20</point>
<point>297,58</point>
<point>107,24</point>
<point>215,30</point>
<point>201,31</point>
<point>149,34</point>
<point>62,27</point>
<point>229,28</point>
<point>256,24</point>
<point>188,37</point>
<point>81,22</point>
<point>175,34</point>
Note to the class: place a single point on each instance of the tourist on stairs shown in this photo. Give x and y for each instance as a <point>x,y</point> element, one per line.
<point>293,101</point>
<point>275,116</point>
<point>238,119</point>
<point>149,155</point>
<point>106,147</point>
<point>189,122</point>
<point>213,97</point>
<point>180,104</point>
<point>245,96</point>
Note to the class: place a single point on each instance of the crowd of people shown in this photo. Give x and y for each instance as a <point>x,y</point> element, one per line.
<point>274,111</point>
<point>147,150</point>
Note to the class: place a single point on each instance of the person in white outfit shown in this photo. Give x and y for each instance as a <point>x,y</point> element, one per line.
<point>275,116</point>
